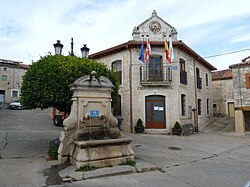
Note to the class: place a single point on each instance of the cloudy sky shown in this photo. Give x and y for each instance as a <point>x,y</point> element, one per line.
<point>29,28</point>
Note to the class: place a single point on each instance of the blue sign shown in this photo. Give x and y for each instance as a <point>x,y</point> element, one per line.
<point>94,113</point>
<point>174,67</point>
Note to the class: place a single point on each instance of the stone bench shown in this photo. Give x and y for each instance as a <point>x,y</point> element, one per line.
<point>187,129</point>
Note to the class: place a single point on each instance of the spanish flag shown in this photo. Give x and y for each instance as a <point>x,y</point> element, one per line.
<point>148,50</point>
<point>168,57</point>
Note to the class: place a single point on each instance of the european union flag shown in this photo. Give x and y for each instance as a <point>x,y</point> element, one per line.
<point>141,56</point>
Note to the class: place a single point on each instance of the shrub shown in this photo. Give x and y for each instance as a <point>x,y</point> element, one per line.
<point>177,125</point>
<point>53,151</point>
<point>46,83</point>
<point>139,123</point>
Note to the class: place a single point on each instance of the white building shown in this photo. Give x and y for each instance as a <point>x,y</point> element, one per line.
<point>158,92</point>
<point>11,73</point>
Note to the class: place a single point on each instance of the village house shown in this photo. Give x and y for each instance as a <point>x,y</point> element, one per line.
<point>160,93</point>
<point>11,73</point>
<point>241,90</point>
<point>223,97</point>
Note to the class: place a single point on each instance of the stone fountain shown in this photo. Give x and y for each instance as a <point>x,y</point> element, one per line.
<point>91,135</point>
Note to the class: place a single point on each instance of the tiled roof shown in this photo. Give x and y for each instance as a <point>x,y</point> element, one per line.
<point>244,62</point>
<point>136,44</point>
<point>13,64</point>
<point>24,66</point>
<point>222,75</point>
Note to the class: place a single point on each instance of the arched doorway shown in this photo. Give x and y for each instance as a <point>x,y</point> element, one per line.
<point>155,112</point>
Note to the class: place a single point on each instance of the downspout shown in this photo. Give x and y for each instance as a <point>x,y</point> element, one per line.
<point>196,127</point>
<point>240,87</point>
<point>130,89</point>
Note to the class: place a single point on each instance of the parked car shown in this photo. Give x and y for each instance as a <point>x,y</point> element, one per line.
<point>16,105</point>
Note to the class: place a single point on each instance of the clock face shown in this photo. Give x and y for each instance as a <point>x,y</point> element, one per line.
<point>155,26</point>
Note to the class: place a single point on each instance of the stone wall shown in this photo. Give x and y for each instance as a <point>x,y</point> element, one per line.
<point>222,94</point>
<point>241,93</point>
<point>172,94</point>
<point>13,83</point>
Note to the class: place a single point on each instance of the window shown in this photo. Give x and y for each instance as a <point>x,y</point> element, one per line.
<point>4,77</point>
<point>183,73</point>
<point>155,68</point>
<point>214,106</point>
<point>206,79</point>
<point>117,107</point>
<point>207,106</point>
<point>116,66</point>
<point>183,104</point>
<point>247,76</point>
<point>199,106</point>
<point>182,65</point>
<point>14,93</point>
<point>198,79</point>
<point>5,69</point>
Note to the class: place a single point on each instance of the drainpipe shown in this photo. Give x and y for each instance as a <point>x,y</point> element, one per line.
<point>130,89</point>
<point>240,86</point>
<point>195,110</point>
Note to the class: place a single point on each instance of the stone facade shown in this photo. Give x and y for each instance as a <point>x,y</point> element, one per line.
<point>241,89</point>
<point>223,97</point>
<point>11,73</point>
<point>156,101</point>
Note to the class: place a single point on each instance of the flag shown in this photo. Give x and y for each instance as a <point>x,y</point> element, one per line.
<point>149,46</point>
<point>171,49</point>
<point>167,52</point>
<point>148,50</point>
<point>141,55</point>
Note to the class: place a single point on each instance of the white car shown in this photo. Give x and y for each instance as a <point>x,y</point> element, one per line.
<point>16,105</point>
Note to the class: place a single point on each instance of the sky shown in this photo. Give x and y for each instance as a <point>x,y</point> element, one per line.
<point>29,28</point>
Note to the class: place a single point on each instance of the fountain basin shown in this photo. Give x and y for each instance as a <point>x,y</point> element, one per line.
<point>101,153</point>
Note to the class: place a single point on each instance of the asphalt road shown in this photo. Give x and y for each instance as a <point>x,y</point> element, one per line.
<point>24,143</point>
<point>215,158</point>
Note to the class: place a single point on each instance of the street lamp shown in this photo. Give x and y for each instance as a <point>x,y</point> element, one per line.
<point>85,51</point>
<point>58,48</point>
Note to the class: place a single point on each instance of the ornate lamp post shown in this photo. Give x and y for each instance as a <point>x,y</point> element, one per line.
<point>58,48</point>
<point>85,51</point>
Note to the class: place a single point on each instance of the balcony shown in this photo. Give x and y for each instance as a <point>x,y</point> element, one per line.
<point>155,75</point>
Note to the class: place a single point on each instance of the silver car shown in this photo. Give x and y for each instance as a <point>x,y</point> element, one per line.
<point>16,105</point>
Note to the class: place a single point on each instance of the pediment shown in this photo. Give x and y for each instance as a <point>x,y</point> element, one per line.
<point>154,27</point>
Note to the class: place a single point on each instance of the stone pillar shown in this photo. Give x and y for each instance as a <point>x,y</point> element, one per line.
<point>239,121</point>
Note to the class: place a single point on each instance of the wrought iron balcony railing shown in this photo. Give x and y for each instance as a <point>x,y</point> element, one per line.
<point>155,75</point>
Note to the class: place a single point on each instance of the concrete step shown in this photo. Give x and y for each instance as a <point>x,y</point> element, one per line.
<point>69,174</point>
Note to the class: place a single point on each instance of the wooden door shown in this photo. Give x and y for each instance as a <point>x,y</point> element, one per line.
<point>155,112</point>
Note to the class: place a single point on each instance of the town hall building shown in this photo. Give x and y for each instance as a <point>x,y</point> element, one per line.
<point>160,93</point>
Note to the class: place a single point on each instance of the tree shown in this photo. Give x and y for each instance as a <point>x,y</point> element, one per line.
<point>46,83</point>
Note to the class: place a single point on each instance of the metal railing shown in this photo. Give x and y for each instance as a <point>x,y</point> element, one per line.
<point>156,75</point>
